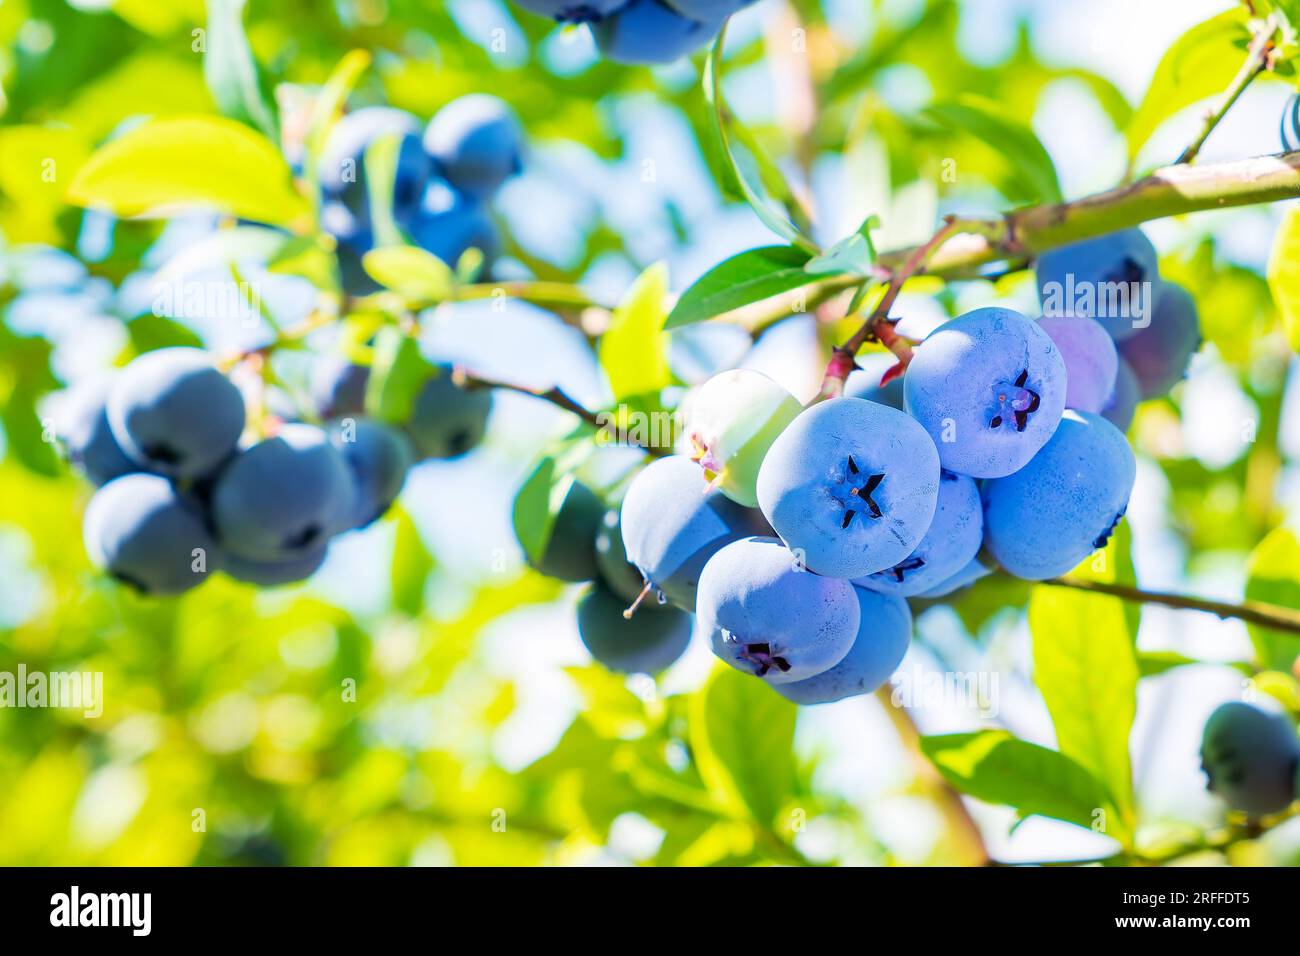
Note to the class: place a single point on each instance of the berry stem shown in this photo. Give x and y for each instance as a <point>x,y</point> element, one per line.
<point>877,326</point>
<point>556,396</point>
<point>1259,57</point>
<point>1252,612</point>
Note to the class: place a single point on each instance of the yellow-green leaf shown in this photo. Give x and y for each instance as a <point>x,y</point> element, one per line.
<point>1273,576</point>
<point>633,349</point>
<point>410,271</point>
<point>1284,275</point>
<point>169,165</point>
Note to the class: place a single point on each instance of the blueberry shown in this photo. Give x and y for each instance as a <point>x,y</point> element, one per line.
<point>648,31</point>
<point>448,421</point>
<point>884,631</point>
<point>450,227</point>
<point>82,427</point>
<point>477,143</point>
<point>283,497</point>
<point>768,617</point>
<point>338,387</point>
<point>644,644</point>
<point>864,382</point>
<point>616,572</point>
<point>989,387</point>
<point>1159,354</point>
<point>274,573</point>
<point>970,572</point>
<point>851,485</point>
<point>1119,411</point>
<point>1251,758</point>
<point>173,412</point>
<point>379,458</point>
<point>342,163</point>
<point>1091,360</point>
<point>1063,505</point>
<point>671,527</point>
<point>953,539</point>
<point>570,553</point>
<point>731,421</point>
<point>146,534</point>
<point>1111,278</point>
<point>572,11</point>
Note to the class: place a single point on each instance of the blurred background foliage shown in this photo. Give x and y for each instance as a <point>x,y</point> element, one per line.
<point>425,699</point>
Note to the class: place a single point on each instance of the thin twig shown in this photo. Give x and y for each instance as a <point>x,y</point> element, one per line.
<point>1259,58</point>
<point>1252,612</point>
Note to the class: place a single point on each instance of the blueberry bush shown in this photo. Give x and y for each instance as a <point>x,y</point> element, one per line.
<point>678,432</point>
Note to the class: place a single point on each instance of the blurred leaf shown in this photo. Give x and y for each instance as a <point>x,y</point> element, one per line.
<point>751,276</point>
<point>410,271</point>
<point>233,76</point>
<point>149,332</point>
<point>1284,275</point>
<point>397,373</point>
<point>633,350</point>
<point>308,257</point>
<point>411,564</point>
<point>36,162</point>
<point>1086,668</point>
<point>1199,64</point>
<point>1034,173</point>
<point>996,767</point>
<point>1155,663</point>
<point>167,166</point>
<point>742,735</point>
<point>1273,576</point>
<point>380,163</point>
<point>537,503</point>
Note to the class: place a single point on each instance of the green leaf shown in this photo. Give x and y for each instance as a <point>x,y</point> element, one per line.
<point>742,736</point>
<point>414,273</point>
<point>1033,174</point>
<point>381,176</point>
<point>535,507</point>
<point>1155,663</point>
<point>1086,668</point>
<point>1284,275</point>
<point>411,565</point>
<point>149,332</point>
<point>633,349</point>
<point>325,110</point>
<point>308,257</point>
<point>996,767</point>
<point>749,277</point>
<point>1199,64</point>
<point>166,166</point>
<point>232,74</point>
<point>397,373</point>
<point>1273,576</point>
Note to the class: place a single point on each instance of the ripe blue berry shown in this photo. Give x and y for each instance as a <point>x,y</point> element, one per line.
<point>379,458</point>
<point>173,412</point>
<point>448,226</point>
<point>884,631</point>
<point>1063,505</point>
<point>144,533</point>
<point>1159,354</point>
<point>1110,278</point>
<point>671,527</point>
<point>1091,360</point>
<point>989,387</point>
<point>1121,408</point>
<point>851,486</point>
<point>477,143</point>
<point>970,572</point>
<point>1251,758</point>
<point>616,571</point>
<point>269,574</point>
<point>649,31</point>
<point>572,11</point>
<point>644,644</point>
<point>87,438</point>
<point>343,165</point>
<point>768,617</point>
<point>570,552</point>
<point>448,421</point>
<point>338,387</point>
<point>284,497</point>
<point>953,540</point>
<point>864,382</point>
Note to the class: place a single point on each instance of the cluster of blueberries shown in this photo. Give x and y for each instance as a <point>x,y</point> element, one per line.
<point>643,31</point>
<point>183,494</point>
<point>797,535</point>
<point>1252,758</point>
<point>446,176</point>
